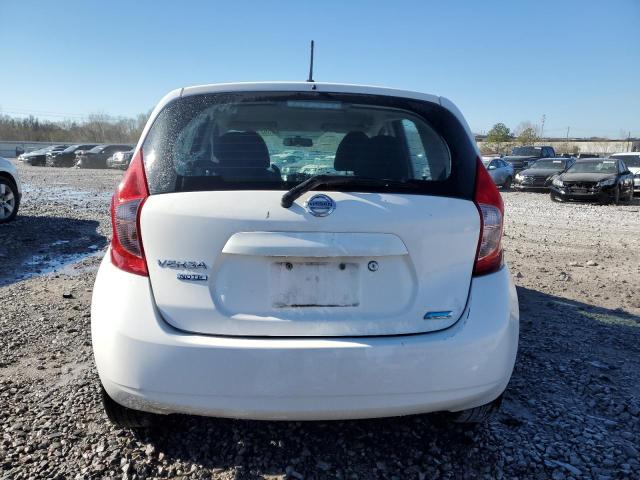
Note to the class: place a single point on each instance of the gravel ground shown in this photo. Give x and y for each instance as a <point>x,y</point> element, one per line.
<point>572,409</point>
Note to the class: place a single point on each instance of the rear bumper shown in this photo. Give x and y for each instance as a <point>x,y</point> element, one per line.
<point>146,364</point>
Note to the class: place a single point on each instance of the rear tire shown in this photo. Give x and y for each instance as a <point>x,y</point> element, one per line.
<point>124,417</point>
<point>476,415</point>
<point>507,183</point>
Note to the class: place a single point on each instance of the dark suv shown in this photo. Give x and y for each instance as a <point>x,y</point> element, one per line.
<point>524,157</point>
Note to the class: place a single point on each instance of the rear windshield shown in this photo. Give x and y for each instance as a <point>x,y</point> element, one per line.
<point>629,160</point>
<point>277,140</point>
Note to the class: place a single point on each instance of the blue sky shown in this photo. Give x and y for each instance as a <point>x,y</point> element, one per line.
<point>575,61</point>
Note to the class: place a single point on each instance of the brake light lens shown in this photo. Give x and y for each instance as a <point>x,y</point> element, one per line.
<point>491,209</point>
<point>127,252</point>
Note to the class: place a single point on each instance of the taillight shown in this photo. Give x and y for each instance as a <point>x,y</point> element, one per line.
<point>491,209</point>
<point>127,252</point>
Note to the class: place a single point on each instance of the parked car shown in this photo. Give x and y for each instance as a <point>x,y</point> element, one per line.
<point>66,157</point>
<point>230,292</point>
<point>521,157</point>
<point>97,156</point>
<point>39,157</point>
<point>120,160</point>
<point>632,161</point>
<point>594,179</point>
<point>10,191</point>
<point>541,173</point>
<point>500,171</point>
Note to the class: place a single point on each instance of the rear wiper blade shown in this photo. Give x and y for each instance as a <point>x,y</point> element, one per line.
<point>309,184</point>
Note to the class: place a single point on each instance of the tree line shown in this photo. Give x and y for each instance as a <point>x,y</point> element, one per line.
<point>500,138</point>
<point>96,128</point>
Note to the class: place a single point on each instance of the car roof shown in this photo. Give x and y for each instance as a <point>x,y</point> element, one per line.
<point>305,87</point>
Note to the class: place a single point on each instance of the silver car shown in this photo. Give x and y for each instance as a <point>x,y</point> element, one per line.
<point>500,171</point>
<point>10,191</point>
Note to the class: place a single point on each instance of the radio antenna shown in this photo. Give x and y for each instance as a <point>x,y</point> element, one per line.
<point>310,79</point>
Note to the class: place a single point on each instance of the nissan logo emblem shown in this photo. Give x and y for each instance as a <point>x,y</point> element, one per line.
<point>320,205</point>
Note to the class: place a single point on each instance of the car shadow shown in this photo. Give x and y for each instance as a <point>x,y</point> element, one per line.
<point>34,245</point>
<point>561,340</point>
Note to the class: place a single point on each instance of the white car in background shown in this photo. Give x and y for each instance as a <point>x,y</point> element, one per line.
<point>632,161</point>
<point>10,191</point>
<point>377,290</point>
<point>500,171</point>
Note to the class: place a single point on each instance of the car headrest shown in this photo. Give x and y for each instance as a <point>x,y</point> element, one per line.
<point>350,151</point>
<point>242,150</point>
<point>385,159</point>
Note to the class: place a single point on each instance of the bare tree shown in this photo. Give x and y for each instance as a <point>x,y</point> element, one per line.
<point>97,127</point>
<point>605,147</point>
<point>568,147</point>
<point>527,133</point>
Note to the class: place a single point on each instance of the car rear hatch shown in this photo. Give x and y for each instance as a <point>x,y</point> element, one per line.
<point>225,257</point>
<point>376,266</point>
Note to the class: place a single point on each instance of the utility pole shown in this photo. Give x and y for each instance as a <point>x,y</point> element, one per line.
<point>568,134</point>
<point>544,117</point>
<point>629,141</point>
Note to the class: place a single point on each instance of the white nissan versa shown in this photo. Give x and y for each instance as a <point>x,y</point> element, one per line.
<point>304,251</point>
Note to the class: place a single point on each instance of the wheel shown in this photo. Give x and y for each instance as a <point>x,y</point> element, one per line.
<point>476,415</point>
<point>9,200</point>
<point>507,183</point>
<point>554,197</point>
<point>630,196</point>
<point>616,196</point>
<point>124,417</point>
